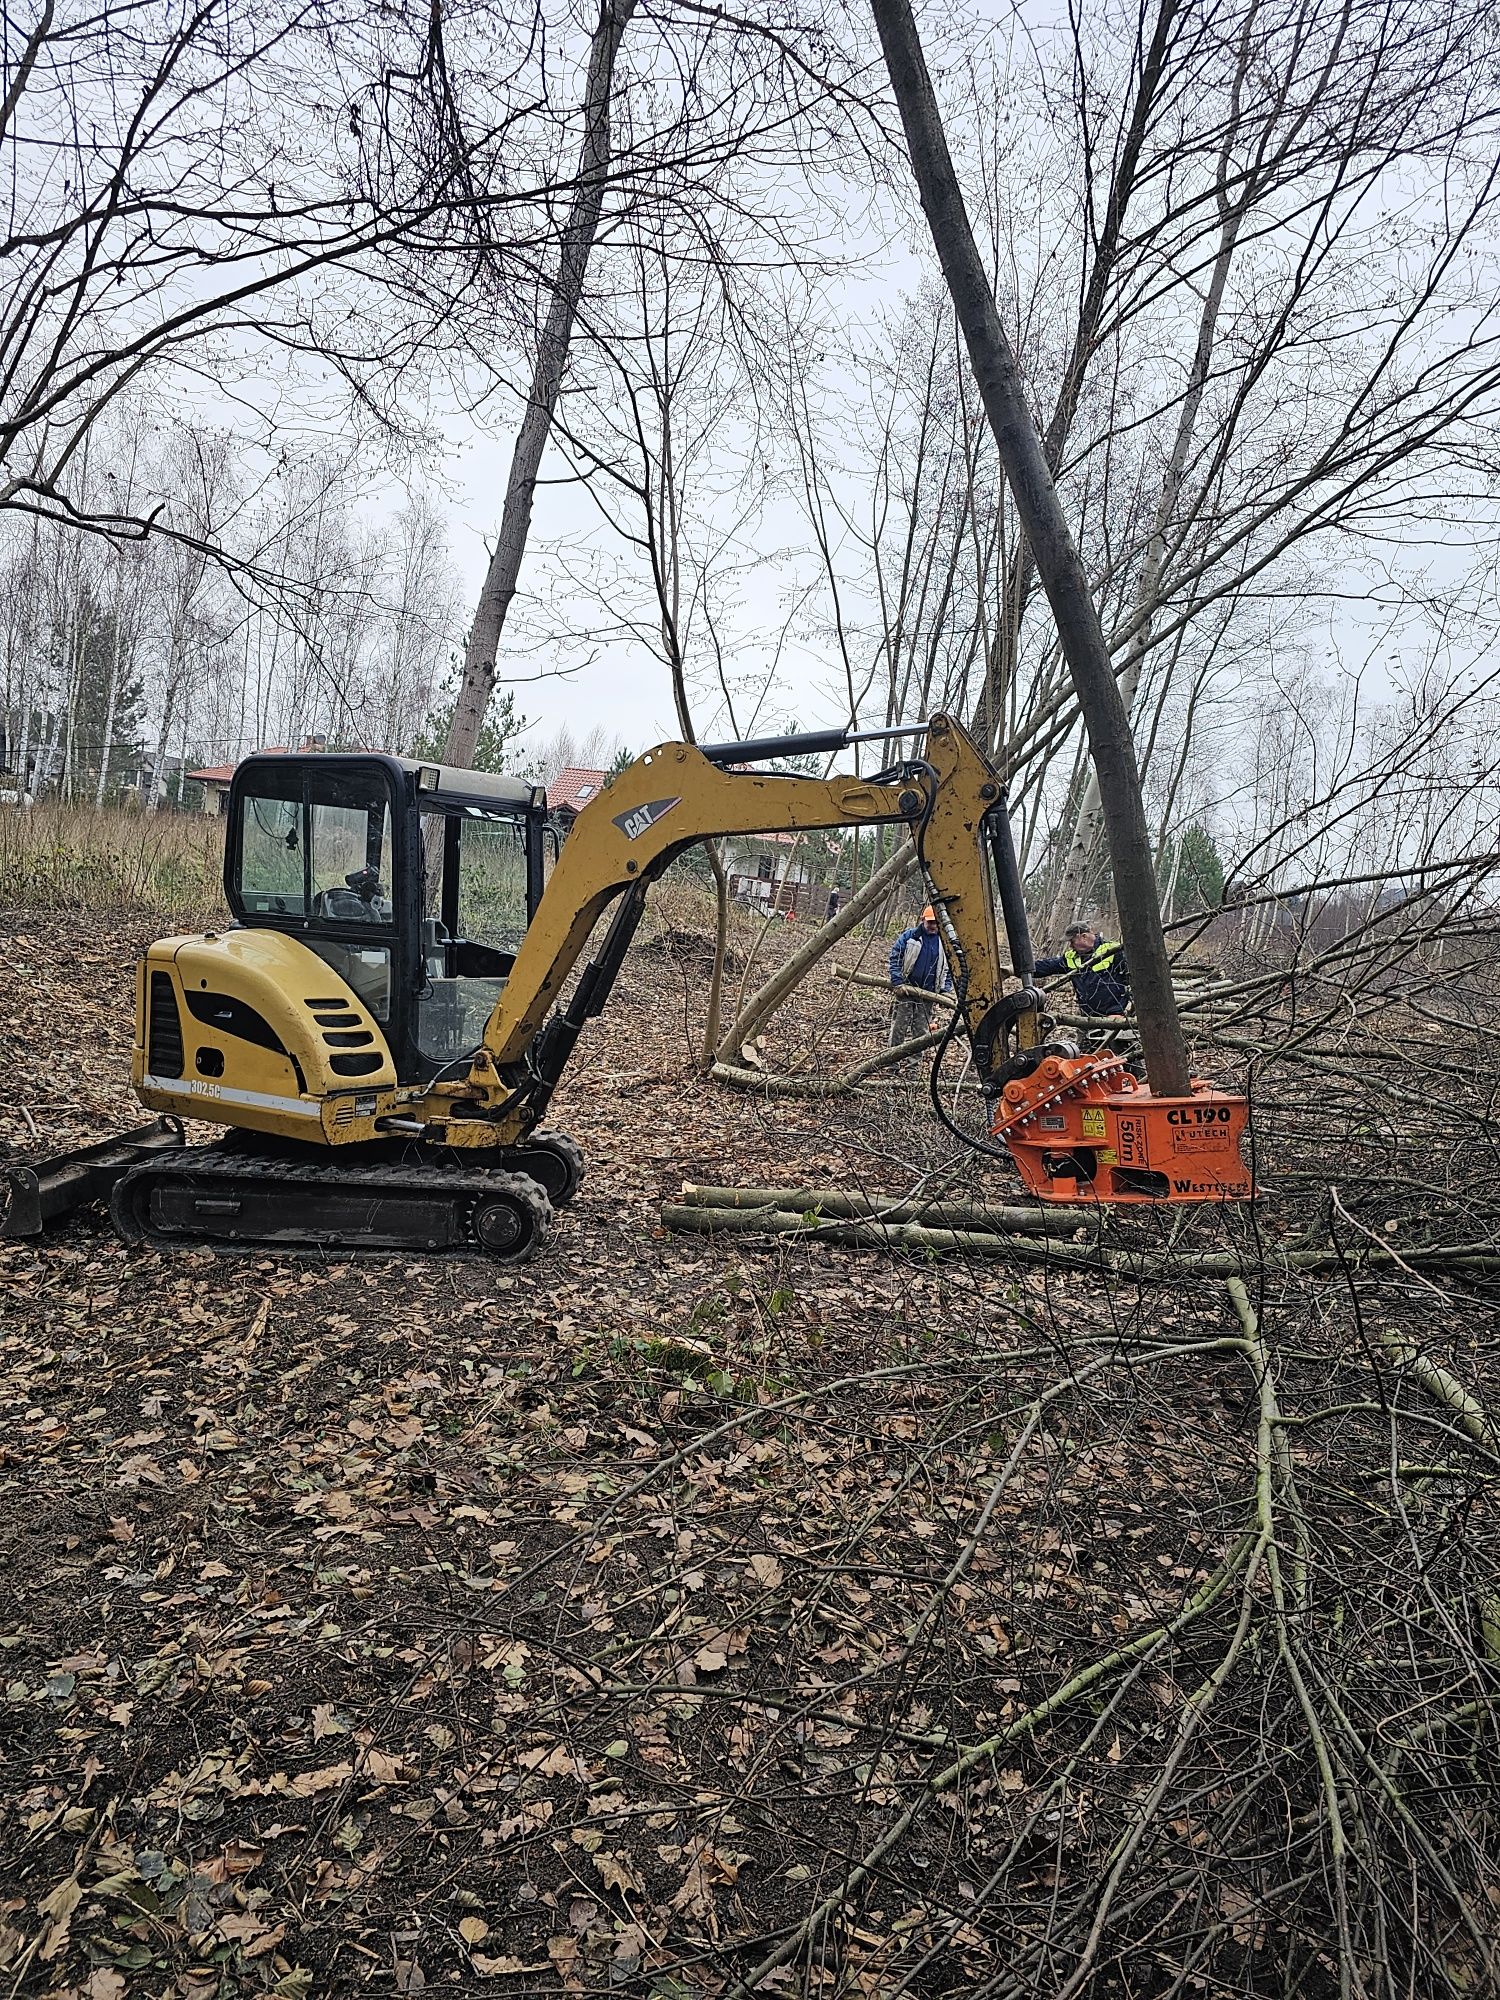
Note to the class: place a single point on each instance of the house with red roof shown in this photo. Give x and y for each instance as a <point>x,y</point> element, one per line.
<point>214,778</point>
<point>570,791</point>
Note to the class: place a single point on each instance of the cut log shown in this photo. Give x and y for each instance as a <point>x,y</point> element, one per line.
<point>824,1086</point>
<point>875,1235</point>
<point>1441,1384</point>
<point>868,1233</point>
<point>1029,1219</point>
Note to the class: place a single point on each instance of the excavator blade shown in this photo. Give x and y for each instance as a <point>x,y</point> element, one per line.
<point>48,1190</point>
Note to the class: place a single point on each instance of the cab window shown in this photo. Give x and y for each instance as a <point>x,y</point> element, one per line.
<point>349,854</point>
<point>272,879</point>
<point>317,845</point>
<point>492,880</point>
<point>474,918</point>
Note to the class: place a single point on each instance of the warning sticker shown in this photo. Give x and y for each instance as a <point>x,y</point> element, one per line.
<point>1130,1140</point>
<point>1093,1121</point>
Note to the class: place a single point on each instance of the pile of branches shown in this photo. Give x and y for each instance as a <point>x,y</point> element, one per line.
<point>1142,1642</point>
<point>1290,1777</point>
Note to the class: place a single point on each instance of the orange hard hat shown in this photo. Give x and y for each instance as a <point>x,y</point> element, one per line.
<point>929,915</point>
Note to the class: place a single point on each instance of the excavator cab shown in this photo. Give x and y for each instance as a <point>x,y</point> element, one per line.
<point>413,882</point>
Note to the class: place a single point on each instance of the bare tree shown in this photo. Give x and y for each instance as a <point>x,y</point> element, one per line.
<point>499,586</point>
<point>1052,548</point>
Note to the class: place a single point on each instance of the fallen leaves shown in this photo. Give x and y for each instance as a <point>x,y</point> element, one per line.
<point>584,1592</point>
<point>617,1873</point>
<point>307,1784</point>
<point>381,1767</point>
<point>57,1908</point>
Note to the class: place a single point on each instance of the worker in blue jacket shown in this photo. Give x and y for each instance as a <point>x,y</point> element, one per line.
<point>1097,968</point>
<point>917,959</point>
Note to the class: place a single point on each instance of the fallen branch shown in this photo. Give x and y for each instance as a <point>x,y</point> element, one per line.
<point>865,1232</point>
<point>1246,1551</point>
<point>824,1086</point>
<point>1193,995</point>
<point>1440,1383</point>
<point>874,979</point>
<point>1033,1218</point>
<point>872,1235</point>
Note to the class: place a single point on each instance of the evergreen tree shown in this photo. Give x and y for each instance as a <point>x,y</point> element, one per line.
<point>1199,870</point>
<point>502,727</point>
<point>95,655</point>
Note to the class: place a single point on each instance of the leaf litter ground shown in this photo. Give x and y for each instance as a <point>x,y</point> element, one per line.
<point>377,1625</point>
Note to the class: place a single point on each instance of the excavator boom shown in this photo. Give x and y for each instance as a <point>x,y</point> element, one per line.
<point>676,796</point>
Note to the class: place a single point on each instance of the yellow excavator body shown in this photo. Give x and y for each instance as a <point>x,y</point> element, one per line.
<point>244,1028</point>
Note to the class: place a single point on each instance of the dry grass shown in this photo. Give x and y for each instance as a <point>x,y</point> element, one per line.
<point>117,860</point>
<point>73,857</point>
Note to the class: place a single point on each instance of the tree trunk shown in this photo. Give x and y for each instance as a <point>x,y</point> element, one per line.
<point>721,946</point>
<point>70,737</point>
<point>1058,564</point>
<point>156,792</point>
<point>52,723</point>
<point>1017,591</point>
<point>23,754</point>
<point>478,682</point>
<point>111,700</point>
<point>1032,1220</point>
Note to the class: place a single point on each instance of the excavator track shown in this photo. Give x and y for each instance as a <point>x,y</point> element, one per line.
<point>228,1198</point>
<point>552,1159</point>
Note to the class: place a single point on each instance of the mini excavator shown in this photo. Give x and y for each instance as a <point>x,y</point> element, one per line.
<point>383,1025</point>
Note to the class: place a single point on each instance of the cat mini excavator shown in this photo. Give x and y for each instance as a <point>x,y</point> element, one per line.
<point>383,1025</point>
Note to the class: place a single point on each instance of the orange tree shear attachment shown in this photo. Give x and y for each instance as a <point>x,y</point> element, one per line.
<point>1080,1125</point>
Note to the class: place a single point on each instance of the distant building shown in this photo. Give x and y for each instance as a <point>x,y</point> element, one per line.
<point>570,791</point>
<point>215,778</point>
<point>778,871</point>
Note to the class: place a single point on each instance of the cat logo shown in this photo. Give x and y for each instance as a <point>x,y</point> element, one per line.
<point>643,818</point>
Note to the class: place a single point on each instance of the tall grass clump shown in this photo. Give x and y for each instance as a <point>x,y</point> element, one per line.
<point>111,859</point>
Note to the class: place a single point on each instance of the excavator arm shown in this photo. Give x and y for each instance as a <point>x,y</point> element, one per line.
<point>1074,1123</point>
<point>679,794</point>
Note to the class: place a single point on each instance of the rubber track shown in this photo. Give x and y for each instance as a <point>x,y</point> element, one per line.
<point>220,1163</point>
<point>564,1144</point>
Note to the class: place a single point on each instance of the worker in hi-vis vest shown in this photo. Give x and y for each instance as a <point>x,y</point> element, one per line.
<point>1096,965</point>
